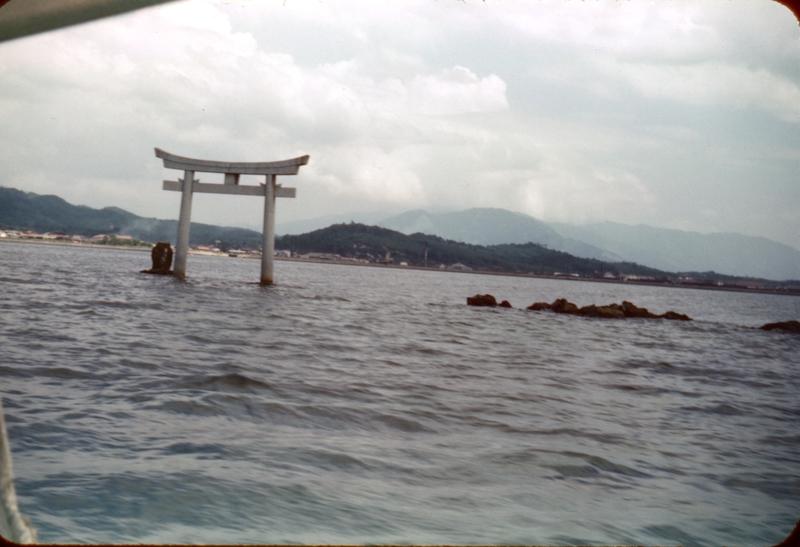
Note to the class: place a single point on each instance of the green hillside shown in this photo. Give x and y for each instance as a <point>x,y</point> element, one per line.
<point>28,211</point>
<point>380,244</point>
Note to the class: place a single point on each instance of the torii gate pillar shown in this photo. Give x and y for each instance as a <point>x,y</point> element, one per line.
<point>269,189</point>
<point>184,223</point>
<point>268,233</point>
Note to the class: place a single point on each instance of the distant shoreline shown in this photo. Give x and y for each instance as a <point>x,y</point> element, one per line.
<point>63,243</point>
<point>538,276</point>
<point>422,268</point>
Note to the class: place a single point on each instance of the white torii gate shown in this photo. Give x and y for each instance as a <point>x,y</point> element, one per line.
<point>188,185</point>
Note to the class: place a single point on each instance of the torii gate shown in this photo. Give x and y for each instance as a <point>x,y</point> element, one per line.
<point>188,185</point>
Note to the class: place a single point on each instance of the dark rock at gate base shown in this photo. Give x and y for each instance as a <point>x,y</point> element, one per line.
<point>788,326</point>
<point>505,304</point>
<point>482,300</point>
<point>161,256</point>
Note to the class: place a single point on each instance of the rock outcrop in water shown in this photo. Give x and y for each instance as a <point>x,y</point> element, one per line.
<point>481,300</point>
<point>487,300</point>
<point>787,326</point>
<point>162,259</point>
<point>609,311</point>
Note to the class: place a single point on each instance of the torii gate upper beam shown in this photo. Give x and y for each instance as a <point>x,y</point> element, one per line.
<point>188,185</point>
<point>285,167</point>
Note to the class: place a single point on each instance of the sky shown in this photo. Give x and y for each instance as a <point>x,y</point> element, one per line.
<point>676,114</point>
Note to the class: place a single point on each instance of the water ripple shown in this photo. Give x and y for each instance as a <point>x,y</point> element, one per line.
<point>364,405</point>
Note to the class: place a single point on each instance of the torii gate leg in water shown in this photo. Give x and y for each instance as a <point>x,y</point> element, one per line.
<point>269,189</point>
<point>268,235</point>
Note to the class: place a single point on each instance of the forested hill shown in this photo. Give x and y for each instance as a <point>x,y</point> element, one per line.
<point>382,245</point>
<point>28,211</point>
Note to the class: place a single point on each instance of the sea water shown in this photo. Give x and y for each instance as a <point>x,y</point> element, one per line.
<point>371,405</point>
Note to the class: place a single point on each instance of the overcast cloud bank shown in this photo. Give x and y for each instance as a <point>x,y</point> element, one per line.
<point>680,114</point>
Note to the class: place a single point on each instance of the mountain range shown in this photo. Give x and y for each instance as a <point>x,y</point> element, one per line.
<point>660,248</point>
<point>677,250</point>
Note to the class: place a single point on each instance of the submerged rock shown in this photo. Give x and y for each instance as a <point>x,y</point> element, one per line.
<point>487,300</point>
<point>631,310</point>
<point>562,305</point>
<point>539,306</point>
<point>609,311</point>
<point>788,326</point>
<point>674,315</point>
<point>482,300</point>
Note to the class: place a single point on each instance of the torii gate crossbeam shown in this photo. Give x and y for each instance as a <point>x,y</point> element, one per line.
<point>269,189</point>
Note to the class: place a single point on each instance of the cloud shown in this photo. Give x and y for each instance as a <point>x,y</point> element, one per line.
<point>370,176</point>
<point>180,78</point>
<point>632,30</point>
<point>699,53</point>
<point>456,91</point>
<point>711,84</point>
<point>564,110</point>
<point>557,194</point>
